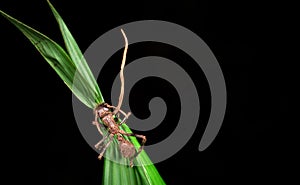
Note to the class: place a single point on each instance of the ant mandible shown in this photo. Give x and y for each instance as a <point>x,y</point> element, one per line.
<point>104,112</point>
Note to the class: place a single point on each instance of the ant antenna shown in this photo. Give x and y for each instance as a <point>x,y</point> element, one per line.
<point>121,74</point>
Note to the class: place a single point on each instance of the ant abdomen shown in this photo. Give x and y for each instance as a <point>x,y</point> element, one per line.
<point>127,149</point>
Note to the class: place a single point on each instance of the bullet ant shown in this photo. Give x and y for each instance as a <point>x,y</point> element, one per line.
<point>104,112</point>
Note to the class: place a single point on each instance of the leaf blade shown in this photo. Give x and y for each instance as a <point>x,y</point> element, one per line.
<point>56,57</point>
<point>78,59</point>
<point>66,68</point>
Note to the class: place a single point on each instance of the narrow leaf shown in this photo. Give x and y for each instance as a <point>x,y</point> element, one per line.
<point>73,65</point>
<point>58,59</point>
<point>78,59</point>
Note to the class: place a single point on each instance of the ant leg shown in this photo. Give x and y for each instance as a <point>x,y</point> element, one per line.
<point>131,162</point>
<point>142,145</point>
<point>140,149</point>
<point>105,147</point>
<point>97,124</point>
<point>111,106</point>
<point>97,146</point>
<point>122,112</point>
<point>96,116</point>
<point>125,118</point>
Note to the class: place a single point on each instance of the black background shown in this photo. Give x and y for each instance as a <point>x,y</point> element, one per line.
<point>248,40</point>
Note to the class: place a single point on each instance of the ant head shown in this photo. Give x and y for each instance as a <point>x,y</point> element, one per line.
<point>102,110</point>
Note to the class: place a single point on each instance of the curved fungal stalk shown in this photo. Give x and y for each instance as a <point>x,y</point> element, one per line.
<point>117,109</point>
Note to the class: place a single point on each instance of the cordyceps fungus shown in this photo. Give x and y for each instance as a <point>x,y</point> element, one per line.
<point>107,117</point>
<point>67,64</point>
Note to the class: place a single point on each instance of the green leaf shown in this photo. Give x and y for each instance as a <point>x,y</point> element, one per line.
<point>74,71</point>
<point>59,60</point>
<point>115,172</point>
<point>80,62</point>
